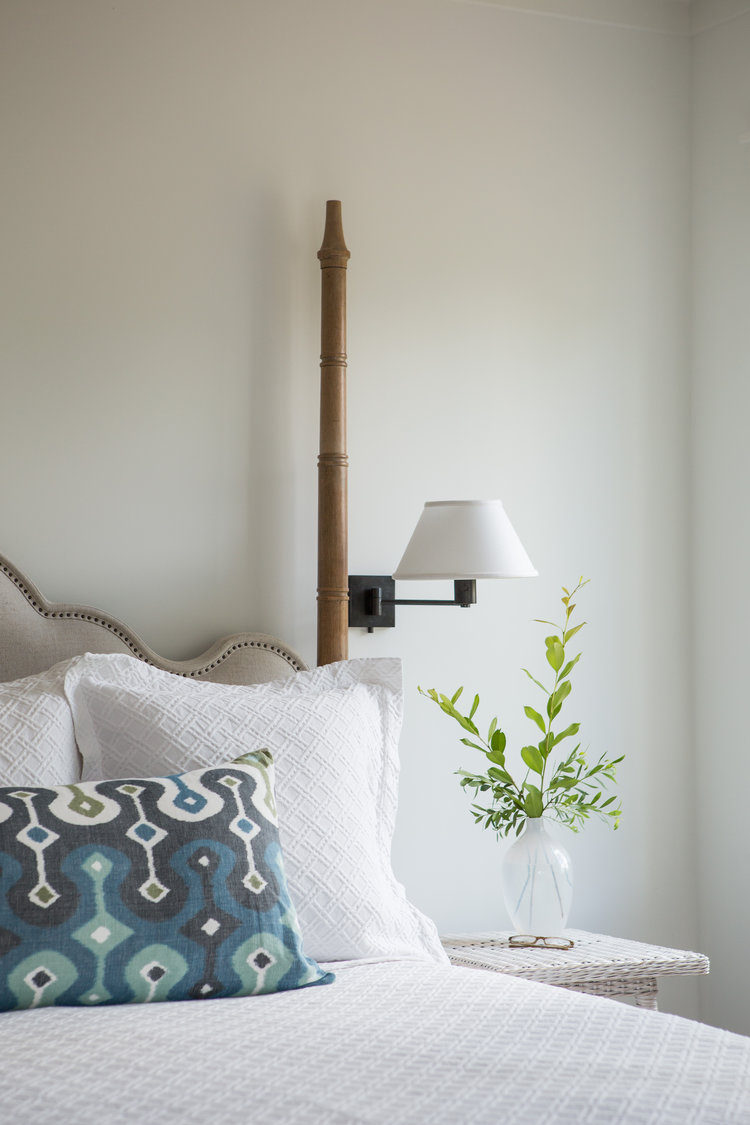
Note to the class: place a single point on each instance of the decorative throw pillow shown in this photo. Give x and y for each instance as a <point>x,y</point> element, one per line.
<point>164,888</point>
<point>37,743</point>
<point>333,733</point>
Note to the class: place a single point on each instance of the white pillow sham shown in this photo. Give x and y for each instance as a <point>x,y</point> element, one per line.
<point>37,742</point>
<point>333,733</point>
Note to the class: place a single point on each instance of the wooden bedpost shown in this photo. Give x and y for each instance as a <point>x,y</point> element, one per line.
<point>333,569</point>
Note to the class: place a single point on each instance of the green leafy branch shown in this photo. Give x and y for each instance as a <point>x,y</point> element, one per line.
<point>571,791</point>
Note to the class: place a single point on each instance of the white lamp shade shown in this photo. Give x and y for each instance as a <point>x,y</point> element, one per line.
<point>464,539</point>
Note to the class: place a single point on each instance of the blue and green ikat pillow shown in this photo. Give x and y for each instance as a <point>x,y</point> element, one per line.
<point>137,890</point>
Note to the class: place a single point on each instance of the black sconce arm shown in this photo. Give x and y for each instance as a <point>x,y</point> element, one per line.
<point>372,603</point>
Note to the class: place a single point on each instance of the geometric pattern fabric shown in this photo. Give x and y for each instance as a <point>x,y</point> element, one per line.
<point>139,890</point>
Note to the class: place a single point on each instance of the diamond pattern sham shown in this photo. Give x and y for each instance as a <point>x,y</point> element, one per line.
<point>139,890</point>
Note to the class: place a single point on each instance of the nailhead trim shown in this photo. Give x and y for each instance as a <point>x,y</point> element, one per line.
<point>106,623</point>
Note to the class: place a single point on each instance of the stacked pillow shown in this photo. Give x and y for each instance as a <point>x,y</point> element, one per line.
<point>332,735</point>
<point>37,740</point>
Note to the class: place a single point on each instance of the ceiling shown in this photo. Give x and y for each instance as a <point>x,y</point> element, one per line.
<point>675,17</point>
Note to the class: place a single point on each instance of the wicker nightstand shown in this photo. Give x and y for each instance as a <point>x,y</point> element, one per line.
<point>602,966</point>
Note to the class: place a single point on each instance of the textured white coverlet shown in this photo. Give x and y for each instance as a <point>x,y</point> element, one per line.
<point>402,1043</point>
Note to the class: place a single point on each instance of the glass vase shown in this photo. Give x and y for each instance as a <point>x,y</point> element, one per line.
<point>537,879</point>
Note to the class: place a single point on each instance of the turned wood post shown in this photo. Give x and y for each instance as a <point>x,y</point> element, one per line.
<point>333,570</point>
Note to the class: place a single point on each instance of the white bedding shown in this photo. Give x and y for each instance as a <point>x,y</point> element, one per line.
<point>399,1043</point>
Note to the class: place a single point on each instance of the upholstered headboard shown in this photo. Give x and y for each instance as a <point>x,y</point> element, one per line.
<point>37,634</point>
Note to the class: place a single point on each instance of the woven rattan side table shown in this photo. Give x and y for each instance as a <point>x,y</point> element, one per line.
<point>599,965</point>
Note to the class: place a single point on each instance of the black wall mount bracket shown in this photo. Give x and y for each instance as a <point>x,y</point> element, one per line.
<point>372,601</point>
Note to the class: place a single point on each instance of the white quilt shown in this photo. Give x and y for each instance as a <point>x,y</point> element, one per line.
<point>397,1043</point>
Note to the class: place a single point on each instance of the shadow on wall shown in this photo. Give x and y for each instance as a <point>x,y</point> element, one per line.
<point>268,494</point>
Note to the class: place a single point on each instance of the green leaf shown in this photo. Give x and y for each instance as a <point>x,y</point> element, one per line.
<point>474,745</point>
<point>558,697</point>
<point>572,632</point>
<point>533,804</point>
<point>567,733</point>
<point>563,690</point>
<point>498,742</point>
<point>505,777</point>
<point>555,654</point>
<point>535,681</point>
<point>535,717</point>
<point>533,758</point>
<point>491,731</point>
<point>457,696</point>
<point>474,706</point>
<point>563,782</point>
<point>570,666</point>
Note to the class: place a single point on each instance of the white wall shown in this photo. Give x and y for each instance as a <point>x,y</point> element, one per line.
<point>516,197</point>
<point>721,472</point>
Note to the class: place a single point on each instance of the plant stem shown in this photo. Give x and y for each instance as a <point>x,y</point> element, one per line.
<point>548,747</point>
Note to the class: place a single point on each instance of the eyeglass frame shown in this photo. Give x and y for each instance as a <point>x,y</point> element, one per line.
<point>530,941</point>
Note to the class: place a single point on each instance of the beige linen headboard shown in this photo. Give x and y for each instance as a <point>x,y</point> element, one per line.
<point>37,634</point>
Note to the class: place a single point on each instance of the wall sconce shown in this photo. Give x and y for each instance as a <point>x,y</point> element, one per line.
<point>459,539</point>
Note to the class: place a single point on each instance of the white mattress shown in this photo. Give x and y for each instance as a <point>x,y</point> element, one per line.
<point>392,1044</point>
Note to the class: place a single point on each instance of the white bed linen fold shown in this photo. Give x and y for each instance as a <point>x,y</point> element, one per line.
<point>399,1043</point>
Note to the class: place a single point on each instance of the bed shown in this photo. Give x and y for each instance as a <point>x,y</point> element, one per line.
<point>217,831</point>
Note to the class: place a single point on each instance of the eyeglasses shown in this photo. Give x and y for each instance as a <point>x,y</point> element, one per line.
<point>527,941</point>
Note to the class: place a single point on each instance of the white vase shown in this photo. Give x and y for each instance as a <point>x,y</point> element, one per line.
<point>537,877</point>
